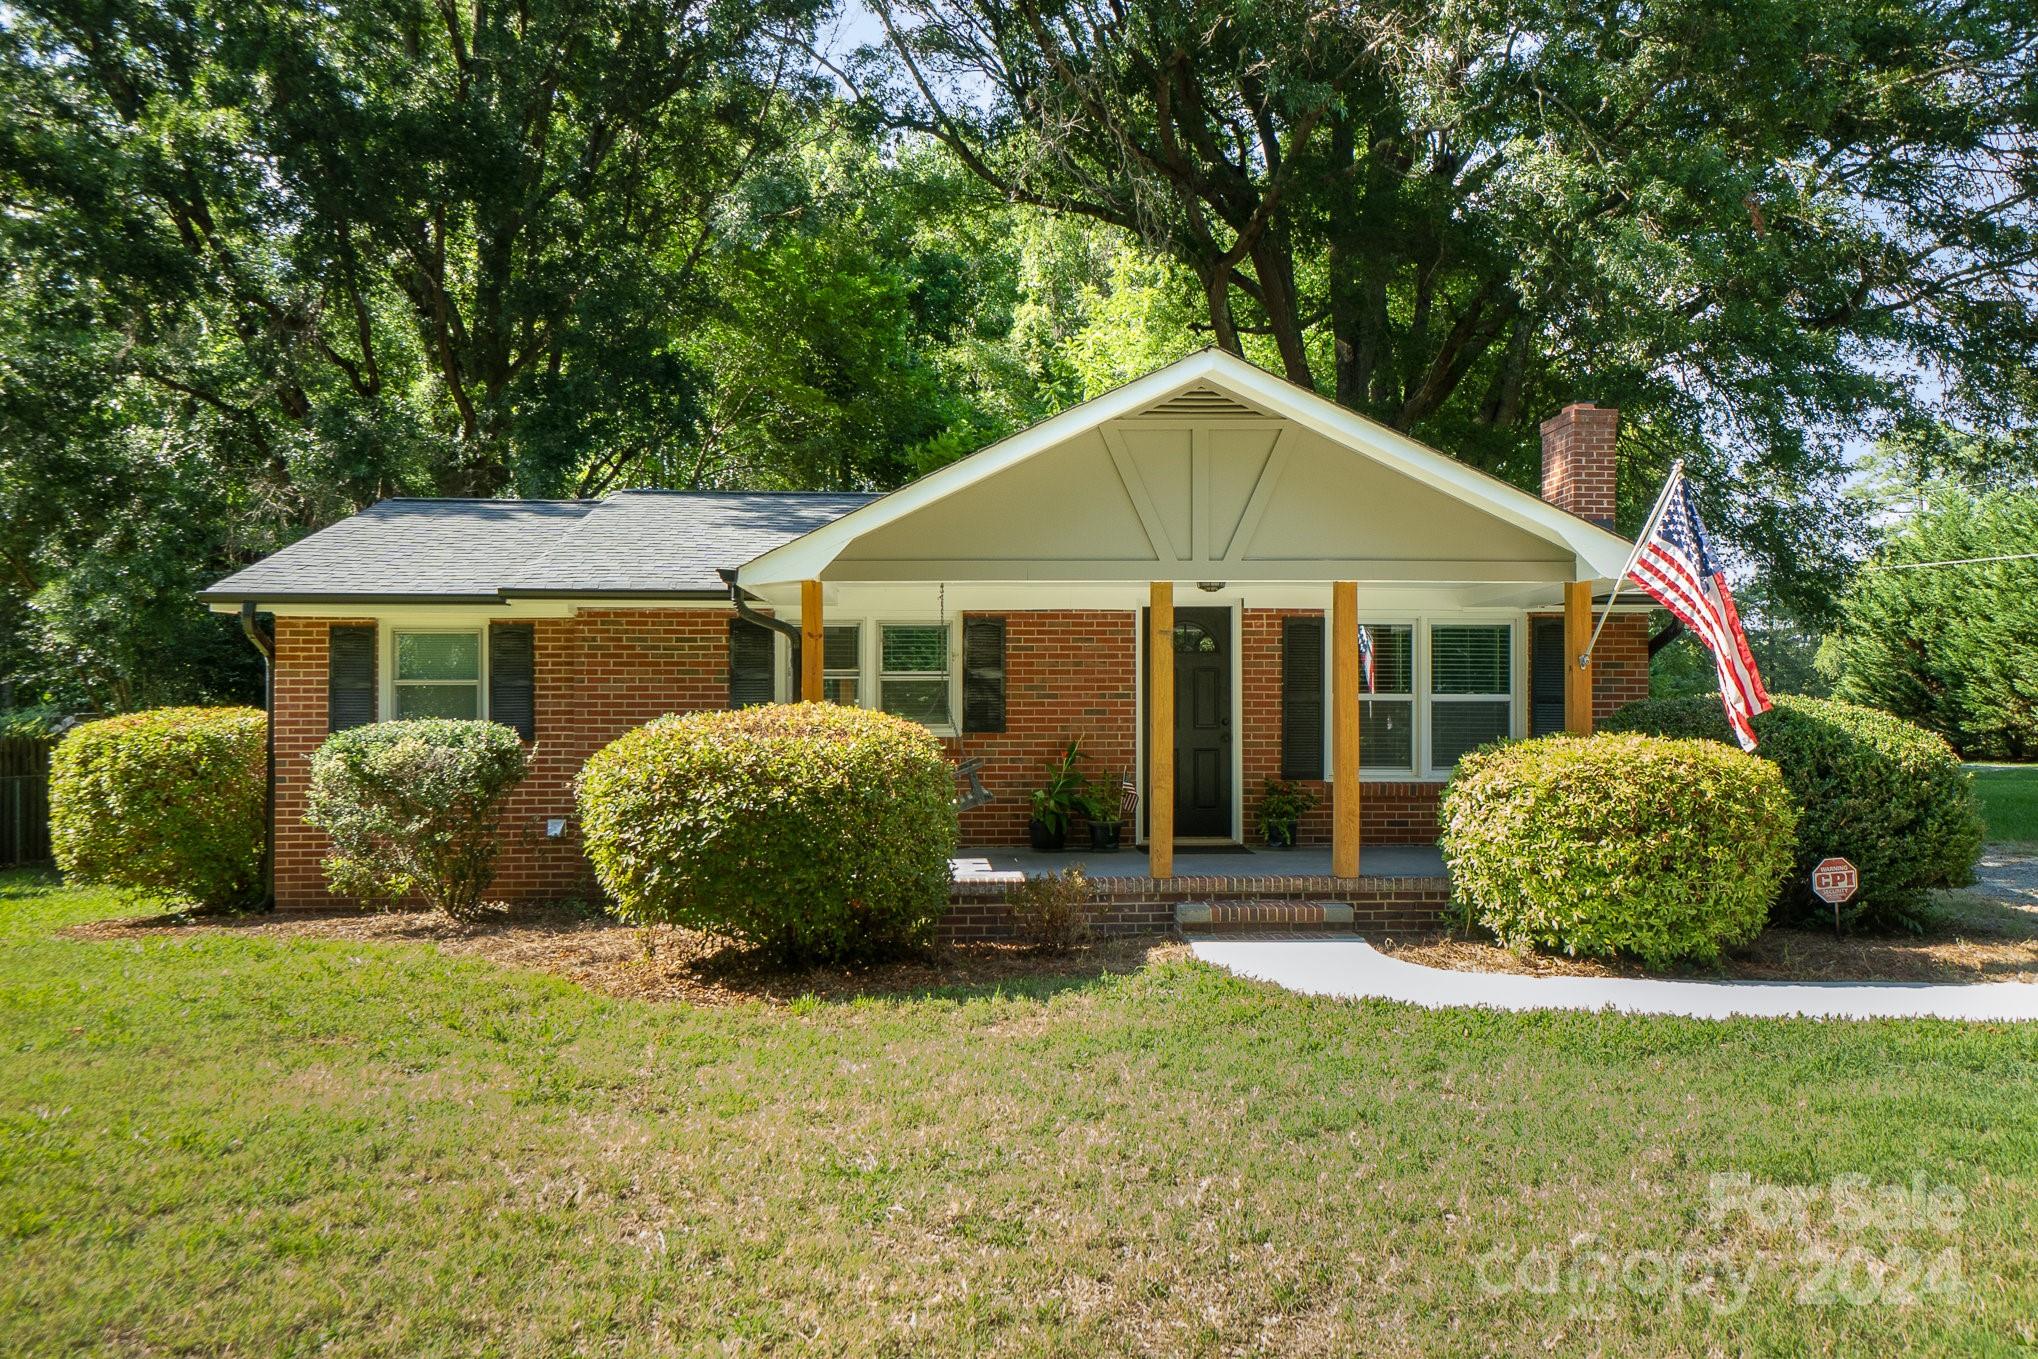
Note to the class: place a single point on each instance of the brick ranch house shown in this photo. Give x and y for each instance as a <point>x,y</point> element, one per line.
<point>1010,601</point>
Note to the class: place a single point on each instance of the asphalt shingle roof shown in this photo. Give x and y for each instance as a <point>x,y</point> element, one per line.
<point>447,551</point>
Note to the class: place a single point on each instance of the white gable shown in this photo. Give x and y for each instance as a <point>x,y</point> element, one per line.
<point>1208,468</point>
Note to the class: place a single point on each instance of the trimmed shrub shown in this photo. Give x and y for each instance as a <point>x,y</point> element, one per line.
<point>415,808</point>
<point>812,831</point>
<point>171,804</point>
<point>1052,913</point>
<point>1606,846</point>
<point>1869,787</point>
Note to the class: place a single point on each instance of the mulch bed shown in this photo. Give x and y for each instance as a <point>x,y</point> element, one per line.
<point>661,964</point>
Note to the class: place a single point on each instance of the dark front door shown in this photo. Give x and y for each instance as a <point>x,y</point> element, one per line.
<point>1203,722</point>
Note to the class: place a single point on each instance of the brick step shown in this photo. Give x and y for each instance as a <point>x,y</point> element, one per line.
<point>1213,917</point>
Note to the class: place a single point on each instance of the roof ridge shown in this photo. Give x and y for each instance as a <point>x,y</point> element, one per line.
<point>480,500</point>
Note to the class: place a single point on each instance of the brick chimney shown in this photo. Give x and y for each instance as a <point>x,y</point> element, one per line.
<point>1578,461</point>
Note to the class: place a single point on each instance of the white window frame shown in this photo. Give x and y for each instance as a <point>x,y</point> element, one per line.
<point>391,631</point>
<point>870,661</point>
<point>872,695</point>
<point>1432,698</point>
<point>1411,771</point>
<point>1420,625</point>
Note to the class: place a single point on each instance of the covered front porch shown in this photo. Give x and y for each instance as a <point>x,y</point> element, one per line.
<point>1230,866</point>
<point>1222,585</point>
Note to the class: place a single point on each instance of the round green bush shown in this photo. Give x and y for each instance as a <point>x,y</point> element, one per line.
<point>1605,846</point>
<point>1869,787</point>
<point>415,808</point>
<point>171,803</point>
<point>812,831</point>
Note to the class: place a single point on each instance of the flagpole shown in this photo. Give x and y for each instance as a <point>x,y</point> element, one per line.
<point>1641,541</point>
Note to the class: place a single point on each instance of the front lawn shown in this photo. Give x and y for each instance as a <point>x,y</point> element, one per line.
<point>256,1142</point>
<point>2009,802</point>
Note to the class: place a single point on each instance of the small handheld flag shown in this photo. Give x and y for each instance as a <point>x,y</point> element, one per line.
<point>1366,654</point>
<point>1673,562</point>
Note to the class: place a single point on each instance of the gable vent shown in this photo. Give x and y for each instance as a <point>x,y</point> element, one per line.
<point>1201,403</point>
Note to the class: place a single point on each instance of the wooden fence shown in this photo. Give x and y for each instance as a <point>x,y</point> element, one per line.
<point>25,799</point>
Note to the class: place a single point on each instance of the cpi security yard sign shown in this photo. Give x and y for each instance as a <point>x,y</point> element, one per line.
<point>1835,881</point>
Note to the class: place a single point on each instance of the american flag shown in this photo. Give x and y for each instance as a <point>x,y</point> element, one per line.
<point>1675,564</point>
<point>1366,654</point>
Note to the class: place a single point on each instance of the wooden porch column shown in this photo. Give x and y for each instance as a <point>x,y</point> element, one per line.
<point>1344,729</point>
<point>813,648</point>
<point>1160,731</point>
<point>1577,678</point>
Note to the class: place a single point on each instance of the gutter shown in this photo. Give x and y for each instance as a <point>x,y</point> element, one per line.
<point>750,615</point>
<point>264,640</point>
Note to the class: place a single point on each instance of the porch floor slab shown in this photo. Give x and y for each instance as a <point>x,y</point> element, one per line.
<point>1001,864</point>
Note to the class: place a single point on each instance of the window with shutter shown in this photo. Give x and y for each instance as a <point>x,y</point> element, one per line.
<point>749,663</point>
<point>350,676</point>
<point>1302,698</point>
<point>512,662</point>
<point>1546,677</point>
<point>983,674</point>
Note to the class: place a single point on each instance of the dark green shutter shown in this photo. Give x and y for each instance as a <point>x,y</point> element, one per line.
<point>1546,677</point>
<point>983,674</point>
<point>749,663</point>
<point>350,675</point>
<point>1302,698</point>
<point>512,677</point>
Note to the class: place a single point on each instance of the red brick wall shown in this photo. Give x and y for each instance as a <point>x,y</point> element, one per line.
<point>597,676</point>
<point>1401,813</point>
<point>1068,673</point>
<point>1620,663</point>
<point>1579,461</point>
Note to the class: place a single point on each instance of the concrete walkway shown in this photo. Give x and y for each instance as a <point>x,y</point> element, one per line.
<point>1353,969</point>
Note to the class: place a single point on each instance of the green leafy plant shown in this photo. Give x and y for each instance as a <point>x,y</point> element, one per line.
<point>811,831</point>
<point>415,808</point>
<point>1058,800</point>
<point>1282,806</point>
<point>1102,800</point>
<point>1617,845</point>
<point>1869,787</point>
<point>171,804</point>
<point>1053,913</point>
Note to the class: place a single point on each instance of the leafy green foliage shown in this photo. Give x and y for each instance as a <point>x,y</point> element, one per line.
<point>1952,648</point>
<point>811,831</point>
<point>1457,217</point>
<point>1592,845</point>
<point>1053,912</point>
<point>1868,787</point>
<point>415,808</point>
<point>171,804</point>
<point>1063,796</point>
<point>1283,804</point>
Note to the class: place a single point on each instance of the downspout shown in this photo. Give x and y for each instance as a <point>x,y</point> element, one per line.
<point>750,615</point>
<point>264,640</point>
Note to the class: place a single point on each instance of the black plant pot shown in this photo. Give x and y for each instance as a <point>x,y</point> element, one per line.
<point>1043,836</point>
<point>1104,836</point>
<point>1276,840</point>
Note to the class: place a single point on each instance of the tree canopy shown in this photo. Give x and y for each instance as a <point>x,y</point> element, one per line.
<point>264,262</point>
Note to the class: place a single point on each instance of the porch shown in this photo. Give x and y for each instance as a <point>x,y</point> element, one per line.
<point>1401,888</point>
<point>1231,866</point>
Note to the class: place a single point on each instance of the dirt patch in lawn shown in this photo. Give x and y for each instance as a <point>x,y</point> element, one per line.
<point>672,965</point>
<point>1988,932</point>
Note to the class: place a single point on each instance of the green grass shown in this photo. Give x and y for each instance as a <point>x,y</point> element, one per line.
<point>237,1144</point>
<point>2009,801</point>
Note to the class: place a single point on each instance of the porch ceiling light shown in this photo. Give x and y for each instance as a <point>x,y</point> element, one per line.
<point>1210,587</point>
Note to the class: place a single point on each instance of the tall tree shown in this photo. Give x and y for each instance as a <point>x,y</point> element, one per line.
<point>285,258</point>
<point>1751,226</point>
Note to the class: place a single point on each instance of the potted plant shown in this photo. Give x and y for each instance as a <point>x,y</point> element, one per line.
<point>1103,803</point>
<point>1282,807</point>
<point>1056,801</point>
